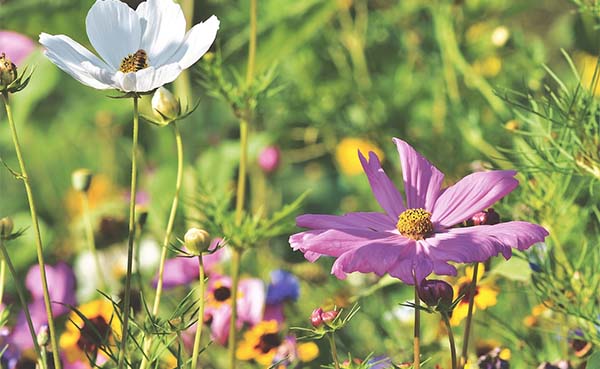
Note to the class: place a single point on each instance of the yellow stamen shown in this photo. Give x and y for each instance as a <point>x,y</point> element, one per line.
<point>415,224</point>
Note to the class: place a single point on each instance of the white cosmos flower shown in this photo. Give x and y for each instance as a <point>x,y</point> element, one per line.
<point>140,50</point>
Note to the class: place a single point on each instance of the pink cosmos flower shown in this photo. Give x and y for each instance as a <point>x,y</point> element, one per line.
<point>411,240</point>
<point>16,46</point>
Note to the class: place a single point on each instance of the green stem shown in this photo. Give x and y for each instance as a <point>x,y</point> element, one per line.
<point>417,332</point>
<point>168,232</point>
<point>89,233</point>
<point>131,236</point>
<point>235,277</point>
<point>200,322</point>
<point>36,229</point>
<point>2,277</point>
<point>171,221</point>
<point>334,355</point>
<point>241,187</point>
<point>450,339</point>
<point>472,289</point>
<point>22,299</point>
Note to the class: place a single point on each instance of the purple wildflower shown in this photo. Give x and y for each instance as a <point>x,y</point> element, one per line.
<point>269,159</point>
<point>16,46</point>
<point>410,242</point>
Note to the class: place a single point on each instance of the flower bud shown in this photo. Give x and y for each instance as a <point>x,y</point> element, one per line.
<point>141,213</point>
<point>8,71</point>
<point>269,159</point>
<point>6,227</point>
<point>329,316</point>
<point>197,240</point>
<point>488,217</point>
<point>81,179</point>
<point>316,318</point>
<point>436,294</point>
<point>165,106</point>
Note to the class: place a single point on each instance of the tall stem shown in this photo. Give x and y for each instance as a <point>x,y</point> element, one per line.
<point>2,278</point>
<point>36,229</point>
<point>89,233</point>
<point>200,322</point>
<point>472,289</point>
<point>334,355</point>
<point>131,236</point>
<point>450,339</point>
<point>241,186</point>
<point>171,221</point>
<point>168,232</point>
<point>22,300</point>
<point>417,332</point>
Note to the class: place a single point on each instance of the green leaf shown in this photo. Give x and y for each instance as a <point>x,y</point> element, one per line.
<point>594,360</point>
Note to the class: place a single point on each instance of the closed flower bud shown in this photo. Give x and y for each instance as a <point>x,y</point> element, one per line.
<point>488,217</point>
<point>8,71</point>
<point>269,159</point>
<point>81,179</point>
<point>197,240</point>
<point>436,294</point>
<point>316,318</point>
<point>6,227</point>
<point>141,212</point>
<point>165,106</point>
<point>329,316</point>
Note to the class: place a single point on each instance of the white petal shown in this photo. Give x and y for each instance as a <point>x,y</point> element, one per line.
<point>114,30</point>
<point>197,42</point>
<point>163,29</point>
<point>76,60</point>
<point>147,79</point>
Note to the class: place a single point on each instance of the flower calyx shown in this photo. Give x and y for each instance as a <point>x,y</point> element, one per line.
<point>10,80</point>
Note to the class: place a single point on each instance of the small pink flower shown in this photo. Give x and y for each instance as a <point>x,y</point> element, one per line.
<point>16,46</point>
<point>316,318</point>
<point>411,241</point>
<point>269,159</point>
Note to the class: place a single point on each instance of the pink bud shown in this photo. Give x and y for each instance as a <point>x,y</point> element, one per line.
<point>329,316</point>
<point>269,159</point>
<point>316,318</point>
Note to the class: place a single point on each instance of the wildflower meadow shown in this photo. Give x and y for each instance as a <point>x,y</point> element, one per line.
<point>341,184</point>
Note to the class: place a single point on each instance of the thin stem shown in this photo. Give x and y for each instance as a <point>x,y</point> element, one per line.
<point>200,322</point>
<point>252,44</point>
<point>450,339</point>
<point>417,333</point>
<point>21,295</point>
<point>168,232</point>
<point>171,221</point>
<point>472,289</point>
<point>333,348</point>
<point>89,233</point>
<point>36,228</point>
<point>235,277</point>
<point>131,236</point>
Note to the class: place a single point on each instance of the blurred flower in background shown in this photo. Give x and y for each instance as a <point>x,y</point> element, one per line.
<point>346,154</point>
<point>269,159</point>
<point>284,287</point>
<point>485,294</point>
<point>16,46</point>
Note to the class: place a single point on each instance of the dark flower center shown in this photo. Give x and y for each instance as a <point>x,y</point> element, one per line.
<point>93,334</point>
<point>134,62</point>
<point>415,224</point>
<point>268,342</point>
<point>222,293</point>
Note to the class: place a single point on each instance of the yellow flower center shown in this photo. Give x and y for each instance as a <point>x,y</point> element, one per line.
<point>415,224</point>
<point>134,62</point>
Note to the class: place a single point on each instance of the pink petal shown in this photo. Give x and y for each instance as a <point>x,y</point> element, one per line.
<point>374,221</point>
<point>252,300</point>
<point>375,257</point>
<point>422,180</point>
<point>472,194</point>
<point>412,264</point>
<point>383,188</point>
<point>333,242</point>
<point>517,234</point>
